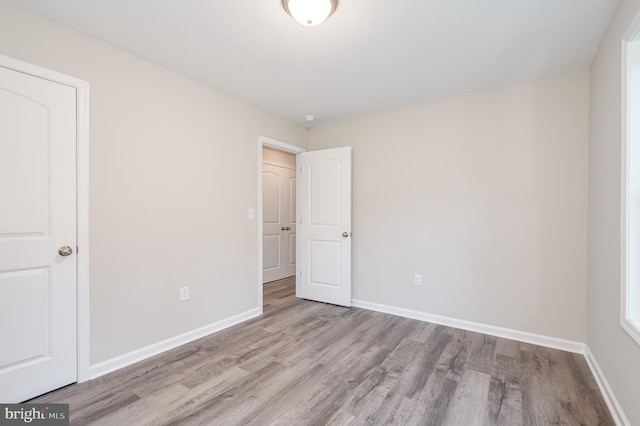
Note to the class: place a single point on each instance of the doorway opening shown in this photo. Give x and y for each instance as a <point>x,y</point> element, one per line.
<point>277,156</point>
<point>278,215</point>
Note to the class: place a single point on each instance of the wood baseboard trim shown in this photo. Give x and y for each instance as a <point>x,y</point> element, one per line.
<point>521,336</point>
<point>138,355</point>
<point>607,393</point>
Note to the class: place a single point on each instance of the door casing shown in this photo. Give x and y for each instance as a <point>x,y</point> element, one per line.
<point>82,201</point>
<point>271,143</point>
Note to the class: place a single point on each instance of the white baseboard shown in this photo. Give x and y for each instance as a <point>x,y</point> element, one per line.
<point>613,404</point>
<point>124,360</point>
<point>521,336</point>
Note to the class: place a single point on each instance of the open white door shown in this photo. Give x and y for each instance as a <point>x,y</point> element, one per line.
<point>37,236</point>
<point>324,226</point>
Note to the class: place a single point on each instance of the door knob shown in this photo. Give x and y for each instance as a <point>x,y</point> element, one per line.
<point>288,228</point>
<point>346,234</point>
<point>282,229</point>
<point>65,251</point>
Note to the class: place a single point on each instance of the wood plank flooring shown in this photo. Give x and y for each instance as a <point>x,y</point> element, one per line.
<point>306,363</point>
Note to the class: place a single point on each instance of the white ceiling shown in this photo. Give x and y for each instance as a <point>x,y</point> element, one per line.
<point>371,55</point>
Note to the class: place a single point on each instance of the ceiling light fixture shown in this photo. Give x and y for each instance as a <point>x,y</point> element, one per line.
<point>310,13</point>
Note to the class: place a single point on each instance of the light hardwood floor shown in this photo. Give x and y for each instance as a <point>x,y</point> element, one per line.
<point>306,363</point>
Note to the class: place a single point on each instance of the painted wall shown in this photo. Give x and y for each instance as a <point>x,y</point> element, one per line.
<point>485,195</point>
<point>281,157</point>
<point>616,353</point>
<point>173,172</point>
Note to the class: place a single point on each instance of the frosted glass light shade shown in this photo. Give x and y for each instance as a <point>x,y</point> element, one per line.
<point>310,13</point>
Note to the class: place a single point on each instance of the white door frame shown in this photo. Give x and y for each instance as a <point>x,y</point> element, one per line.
<point>281,146</point>
<point>82,199</point>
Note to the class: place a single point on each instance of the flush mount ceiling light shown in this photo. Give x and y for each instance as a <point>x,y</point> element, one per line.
<point>310,13</point>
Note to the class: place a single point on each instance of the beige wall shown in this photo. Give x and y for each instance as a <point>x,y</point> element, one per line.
<point>277,156</point>
<point>485,195</point>
<point>173,172</point>
<point>617,354</point>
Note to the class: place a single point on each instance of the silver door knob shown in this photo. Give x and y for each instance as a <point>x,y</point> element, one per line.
<point>346,234</point>
<point>65,251</point>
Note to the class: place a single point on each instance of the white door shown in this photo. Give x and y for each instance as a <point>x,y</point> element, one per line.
<point>324,226</point>
<point>37,218</point>
<point>278,222</point>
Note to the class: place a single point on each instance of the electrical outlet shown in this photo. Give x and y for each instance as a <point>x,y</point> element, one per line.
<point>184,293</point>
<point>417,279</point>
